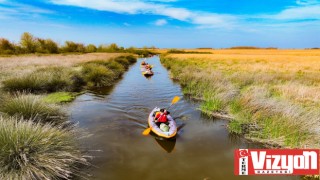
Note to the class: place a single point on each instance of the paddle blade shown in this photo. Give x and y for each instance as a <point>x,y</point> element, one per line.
<point>175,99</point>
<point>146,132</point>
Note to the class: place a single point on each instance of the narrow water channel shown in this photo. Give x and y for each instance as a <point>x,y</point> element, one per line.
<point>115,118</point>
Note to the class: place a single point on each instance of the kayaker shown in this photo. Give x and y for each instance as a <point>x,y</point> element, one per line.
<point>147,66</point>
<point>143,63</point>
<point>161,117</point>
<point>149,71</point>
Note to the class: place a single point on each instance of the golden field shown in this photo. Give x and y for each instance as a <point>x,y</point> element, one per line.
<point>21,64</point>
<point>270,95</point>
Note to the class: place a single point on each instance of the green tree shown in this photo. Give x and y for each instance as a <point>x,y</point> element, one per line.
<point>28,43</point>
<point>113,47</point>
<point>47,46</point>
<point>71,46</point>
<point>51,46</point>
<point>6,47</point>
<point>91,48</point>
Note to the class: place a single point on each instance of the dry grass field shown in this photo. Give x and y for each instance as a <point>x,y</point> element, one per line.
<point>271,95</point>
<point>18,65</point>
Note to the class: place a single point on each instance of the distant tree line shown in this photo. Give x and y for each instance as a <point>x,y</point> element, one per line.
<point>250,47</point>
<point>178,51</point>
<point>30,44</point>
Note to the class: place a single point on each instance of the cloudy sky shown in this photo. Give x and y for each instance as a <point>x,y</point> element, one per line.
<point>166,23</point>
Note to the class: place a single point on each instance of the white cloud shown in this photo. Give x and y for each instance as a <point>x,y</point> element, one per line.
<point>21,11</point>
<point>297,13</point>
<point>145,7</point>
<point>161,22</point>
<point>307,2</point>
<point>162,1</point>
<point>133,7</point>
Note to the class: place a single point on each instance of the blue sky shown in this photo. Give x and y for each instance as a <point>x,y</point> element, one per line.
<point>166,23</point>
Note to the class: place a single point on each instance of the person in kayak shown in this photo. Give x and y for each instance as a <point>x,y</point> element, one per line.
<point>161,117</point>
<point>147,66</point>
<point>143,63</point>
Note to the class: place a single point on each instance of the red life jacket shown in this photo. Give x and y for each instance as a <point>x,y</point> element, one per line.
<point>162,118</point>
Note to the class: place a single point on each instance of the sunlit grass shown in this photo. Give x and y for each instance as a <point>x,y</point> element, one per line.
<point>32,107</point>
<point>272,94</point>
<point>60,97</point>
<point>34,151</point>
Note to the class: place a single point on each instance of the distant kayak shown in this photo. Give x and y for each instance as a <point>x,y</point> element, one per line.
<point>147,73</point>
<point>144,66</point>
<point>155,128</point>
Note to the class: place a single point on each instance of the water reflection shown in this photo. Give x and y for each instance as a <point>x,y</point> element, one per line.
<point>166,144</point>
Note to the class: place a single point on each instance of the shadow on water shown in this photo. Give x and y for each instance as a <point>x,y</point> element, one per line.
<point>116,117</point>
<point>167,144</point>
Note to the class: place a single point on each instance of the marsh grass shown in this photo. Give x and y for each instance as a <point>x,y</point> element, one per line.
<point>101,73</point>
<point>212,105</point>
<point>272,95</point>
<point>17,66</point>
<point>35,151</point>
<point>29,106</point>
<point>43,80</point>
<point>60,97</point>
<point>97,75</point>
<point>37,140</point>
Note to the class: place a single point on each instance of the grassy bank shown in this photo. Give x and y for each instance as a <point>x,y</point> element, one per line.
<point>38,140</point>
<point>270,95</point>
<point>46,74</point>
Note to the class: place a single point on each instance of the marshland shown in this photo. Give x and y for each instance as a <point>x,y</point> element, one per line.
<point>37,138</point>
<point>268,95</point>
<point>76,113</point>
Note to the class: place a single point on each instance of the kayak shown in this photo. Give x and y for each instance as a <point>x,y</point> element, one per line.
<point>146,73</point>
<point>144,66</point>
<point>154,128</point>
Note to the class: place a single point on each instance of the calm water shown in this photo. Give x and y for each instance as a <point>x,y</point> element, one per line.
<point>115,118</point>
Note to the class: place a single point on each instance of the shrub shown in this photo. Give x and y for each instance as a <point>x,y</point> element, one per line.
<point>47,46</point>
<point>131,59</point>
<point>50,79</point>
<point>97,75</point>
<point>6,47</point>
<point>56,78</point>
<point>110,48</point>
<point>71,46</point>
<point>116,67</point>
<point>123,61</point>
<point>30,83</point>
<point>91,48</point>
<point>35,151</point>
<point>32,107</point>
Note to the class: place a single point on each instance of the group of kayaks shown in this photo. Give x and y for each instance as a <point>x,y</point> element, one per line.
<point>171,127</point>
<point>146,69</point>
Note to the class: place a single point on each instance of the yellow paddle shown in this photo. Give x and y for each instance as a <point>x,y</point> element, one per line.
<point>174,100</point>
